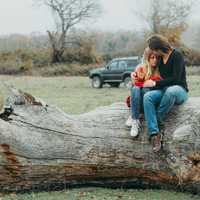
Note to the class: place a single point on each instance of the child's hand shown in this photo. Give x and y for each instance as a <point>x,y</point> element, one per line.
<point>140,73</point>
<point>134,77</point>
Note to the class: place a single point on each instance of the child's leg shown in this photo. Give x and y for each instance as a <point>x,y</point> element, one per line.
<point>135,102</point>
<point>135,110</point>
<point>143,91</point>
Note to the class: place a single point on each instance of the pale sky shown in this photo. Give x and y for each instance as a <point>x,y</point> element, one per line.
<point>21,16</point>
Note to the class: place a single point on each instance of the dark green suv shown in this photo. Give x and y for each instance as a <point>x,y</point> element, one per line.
<point>115,72</point>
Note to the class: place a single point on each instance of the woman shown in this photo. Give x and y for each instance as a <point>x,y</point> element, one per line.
<point>172,88</point>
<point>142,73</point>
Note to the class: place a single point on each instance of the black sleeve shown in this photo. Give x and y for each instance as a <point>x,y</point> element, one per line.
<point>178,65</point>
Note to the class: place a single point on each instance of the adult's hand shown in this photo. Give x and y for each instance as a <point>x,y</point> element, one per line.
<point>149,83</point>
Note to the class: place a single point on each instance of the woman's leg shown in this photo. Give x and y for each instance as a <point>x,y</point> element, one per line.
<point>172,95</point>
<point>150,100</point>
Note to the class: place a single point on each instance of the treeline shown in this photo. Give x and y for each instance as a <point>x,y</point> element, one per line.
<point>21,54</point>
<point>104,43</point>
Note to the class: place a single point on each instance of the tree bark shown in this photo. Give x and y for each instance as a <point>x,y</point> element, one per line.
<point>57,46</point>
<point>43,148</point>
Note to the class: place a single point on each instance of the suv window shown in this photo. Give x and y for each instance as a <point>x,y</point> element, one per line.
<point>122,64</point>
<point>113,65</point>
<point>131,63</point>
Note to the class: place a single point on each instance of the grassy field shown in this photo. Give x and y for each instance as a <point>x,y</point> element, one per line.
<point>75,95</point>
<point>105,194</point>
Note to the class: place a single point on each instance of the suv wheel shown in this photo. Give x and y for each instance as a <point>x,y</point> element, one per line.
<point>96,82</point>
<point>127,82</point>
<point>114,85</point>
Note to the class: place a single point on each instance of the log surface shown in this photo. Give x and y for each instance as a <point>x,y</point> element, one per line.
<point>43,148</point>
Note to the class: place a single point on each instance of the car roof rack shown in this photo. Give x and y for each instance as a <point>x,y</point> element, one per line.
<point>127,58</point>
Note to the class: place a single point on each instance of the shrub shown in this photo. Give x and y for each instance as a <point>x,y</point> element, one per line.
<point>192,56</point>
<point>85,53</point>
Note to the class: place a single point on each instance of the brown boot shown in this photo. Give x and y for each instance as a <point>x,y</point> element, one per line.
<point>156,142</point>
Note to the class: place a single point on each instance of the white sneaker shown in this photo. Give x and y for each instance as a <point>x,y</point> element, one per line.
<point>135,127</point>
<point>129,121</point>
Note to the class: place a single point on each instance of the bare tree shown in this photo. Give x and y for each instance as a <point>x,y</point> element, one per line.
<point>168,14</point>
<point>68,14</point>
<point>165,16</point>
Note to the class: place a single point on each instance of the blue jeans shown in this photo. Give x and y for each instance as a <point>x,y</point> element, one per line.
<point>137,101</point>
<point>157,103</point>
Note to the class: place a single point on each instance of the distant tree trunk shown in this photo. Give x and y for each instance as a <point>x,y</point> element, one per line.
<point>57,47</point>
<point>57,55</point>
<point>43,148</point>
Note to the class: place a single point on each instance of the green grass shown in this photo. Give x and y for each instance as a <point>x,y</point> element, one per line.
<point>74,94</point>
<point>194,85</point>
<point>105,194</point>
<point>193,70</point>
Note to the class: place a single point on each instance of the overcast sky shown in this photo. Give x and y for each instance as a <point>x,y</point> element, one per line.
<point>21,16</point>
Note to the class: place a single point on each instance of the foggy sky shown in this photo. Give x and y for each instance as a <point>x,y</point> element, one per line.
<point>21,16</point>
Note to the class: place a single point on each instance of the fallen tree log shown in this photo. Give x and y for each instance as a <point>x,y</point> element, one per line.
<point>43,148</point>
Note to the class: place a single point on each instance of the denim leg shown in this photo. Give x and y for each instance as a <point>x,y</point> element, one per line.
<point>135,102</point>
<point>143,91</point>
<point>150,100</point>
<point>172,95</point>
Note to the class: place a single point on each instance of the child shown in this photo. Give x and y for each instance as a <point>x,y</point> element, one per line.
<point>144,72</point>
